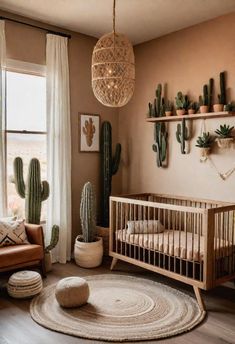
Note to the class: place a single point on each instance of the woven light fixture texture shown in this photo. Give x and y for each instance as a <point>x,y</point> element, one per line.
<point>113,68</point>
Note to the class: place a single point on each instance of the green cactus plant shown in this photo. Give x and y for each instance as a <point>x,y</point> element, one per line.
<point>158,107</point>
<point>205,140</point>
<point>204,100</point>
<point>54,239</point>
<point>230,107</point>
<point>34,191</point>
<point>222,95</point>
<point>88,213</point>
<point>160,145</point>
<point>210,93</point>
<point>109,167</point>
<point>182,101</point>
<point>193,106</point>
<point>182,135</point>
<point>225,131</point>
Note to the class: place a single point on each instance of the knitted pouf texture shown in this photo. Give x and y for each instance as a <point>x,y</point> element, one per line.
<point>120,308</point>
<point>24,284</point>
<point>72,292</point>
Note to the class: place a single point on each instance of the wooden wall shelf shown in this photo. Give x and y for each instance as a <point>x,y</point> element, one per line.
<point>191,117</point>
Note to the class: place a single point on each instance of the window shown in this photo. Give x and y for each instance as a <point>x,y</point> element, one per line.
<point>25,129</point>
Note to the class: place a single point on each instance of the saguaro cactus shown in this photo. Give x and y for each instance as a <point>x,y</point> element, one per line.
<point>182,135</point>
<point>88,213</point>
<point>34,191</point>
<point>160,145</point>
<point>222,95</point>
<point>109,167</point>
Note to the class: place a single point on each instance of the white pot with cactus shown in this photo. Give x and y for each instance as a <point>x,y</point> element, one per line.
<point>88,248</point>
<point>49,248</point>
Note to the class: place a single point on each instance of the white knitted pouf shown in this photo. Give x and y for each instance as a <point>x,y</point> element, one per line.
<point>24,284</point>
<point>72,292</point>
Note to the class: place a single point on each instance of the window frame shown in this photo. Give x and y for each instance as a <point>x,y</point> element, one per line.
<point>20,67</point>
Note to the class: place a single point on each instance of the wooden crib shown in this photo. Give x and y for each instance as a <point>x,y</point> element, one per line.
<point>190,240</point>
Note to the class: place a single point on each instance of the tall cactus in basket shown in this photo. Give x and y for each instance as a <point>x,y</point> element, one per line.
<point>109,167</point>
<point>88,213</point>
<point>34,191</point>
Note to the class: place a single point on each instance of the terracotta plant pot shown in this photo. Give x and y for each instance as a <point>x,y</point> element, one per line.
<point>88,254</point>
<point>48,261</point>
<point>218,107</point>
<point>204,152</point>
<point>224,142</point>
<point>204,109</point>
<point>180,112</point>
<point>191,111</point>
<point>168,113</point>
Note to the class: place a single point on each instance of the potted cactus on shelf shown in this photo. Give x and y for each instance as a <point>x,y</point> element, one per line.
<point>204,142</point>
<point>35,192</point>
<point>222,96</point>
<point>168,108</point>
<point>193,108</point>
<point>225,138</point>
<point>88,248</point>
<point>205,101</point>
<point>182,102</point>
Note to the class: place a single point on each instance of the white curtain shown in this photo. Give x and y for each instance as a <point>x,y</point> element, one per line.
<point>3,193</point>
<point>59,144</point>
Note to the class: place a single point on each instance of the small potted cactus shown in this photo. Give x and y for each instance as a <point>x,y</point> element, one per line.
<point>168,108</point>
<point>222,96</point>
<point>193,108</point>
<point>204,100</point>
<point>49,248</point>
<point>204,142</point>
<point>88,248</point>
<point>182,103</point>
<point>225,138</point>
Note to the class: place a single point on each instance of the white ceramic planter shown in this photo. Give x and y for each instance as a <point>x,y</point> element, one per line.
<point>88,254</point>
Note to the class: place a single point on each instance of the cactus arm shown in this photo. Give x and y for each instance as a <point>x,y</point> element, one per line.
<point>18,177</point>
<point>54,238</point>
<point>116,159</point>
<point>45,190</point>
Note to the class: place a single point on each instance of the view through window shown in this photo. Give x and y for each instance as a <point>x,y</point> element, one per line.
<point>26,130</point>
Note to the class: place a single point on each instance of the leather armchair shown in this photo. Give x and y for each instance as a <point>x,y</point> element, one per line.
<point>18,256</point>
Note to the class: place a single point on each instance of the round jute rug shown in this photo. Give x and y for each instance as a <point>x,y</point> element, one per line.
<point>120,308</point>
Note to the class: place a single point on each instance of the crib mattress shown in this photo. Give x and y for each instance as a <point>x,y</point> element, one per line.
<point>175,243</point>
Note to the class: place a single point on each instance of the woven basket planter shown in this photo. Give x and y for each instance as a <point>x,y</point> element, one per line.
<point>88,254</point>
<point>224,143</point>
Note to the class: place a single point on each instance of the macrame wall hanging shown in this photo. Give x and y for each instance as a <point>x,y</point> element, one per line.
<point>224,175</point>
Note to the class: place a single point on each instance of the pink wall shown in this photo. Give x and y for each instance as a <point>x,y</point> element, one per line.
<point>183,60</point>
<point>28,44</point>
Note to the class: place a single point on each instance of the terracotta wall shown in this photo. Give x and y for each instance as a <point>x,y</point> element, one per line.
<point>28,44</point>
<point>184,60</point>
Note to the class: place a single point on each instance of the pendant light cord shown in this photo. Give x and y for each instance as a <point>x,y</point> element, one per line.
<point>114,22</point>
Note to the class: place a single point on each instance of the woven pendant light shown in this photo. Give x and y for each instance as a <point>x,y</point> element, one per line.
<point>113,68</point>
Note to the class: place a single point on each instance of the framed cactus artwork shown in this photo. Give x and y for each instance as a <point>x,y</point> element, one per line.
<point>89,132</point>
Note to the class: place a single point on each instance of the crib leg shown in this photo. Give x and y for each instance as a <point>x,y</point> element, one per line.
<point>199,298</point>
<point>114,262</point>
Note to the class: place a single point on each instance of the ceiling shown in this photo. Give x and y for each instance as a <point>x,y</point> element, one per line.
<point>140,20</point>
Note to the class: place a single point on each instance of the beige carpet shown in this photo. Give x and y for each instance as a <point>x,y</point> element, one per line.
<point>120,308</point>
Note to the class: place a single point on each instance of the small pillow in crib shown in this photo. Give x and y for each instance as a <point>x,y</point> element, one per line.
<point>144,227</point>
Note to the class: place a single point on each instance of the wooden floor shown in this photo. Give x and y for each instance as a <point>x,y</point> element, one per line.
<point>17,327</point>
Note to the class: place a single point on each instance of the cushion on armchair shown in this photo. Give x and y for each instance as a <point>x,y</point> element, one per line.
<point>13,233</point>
